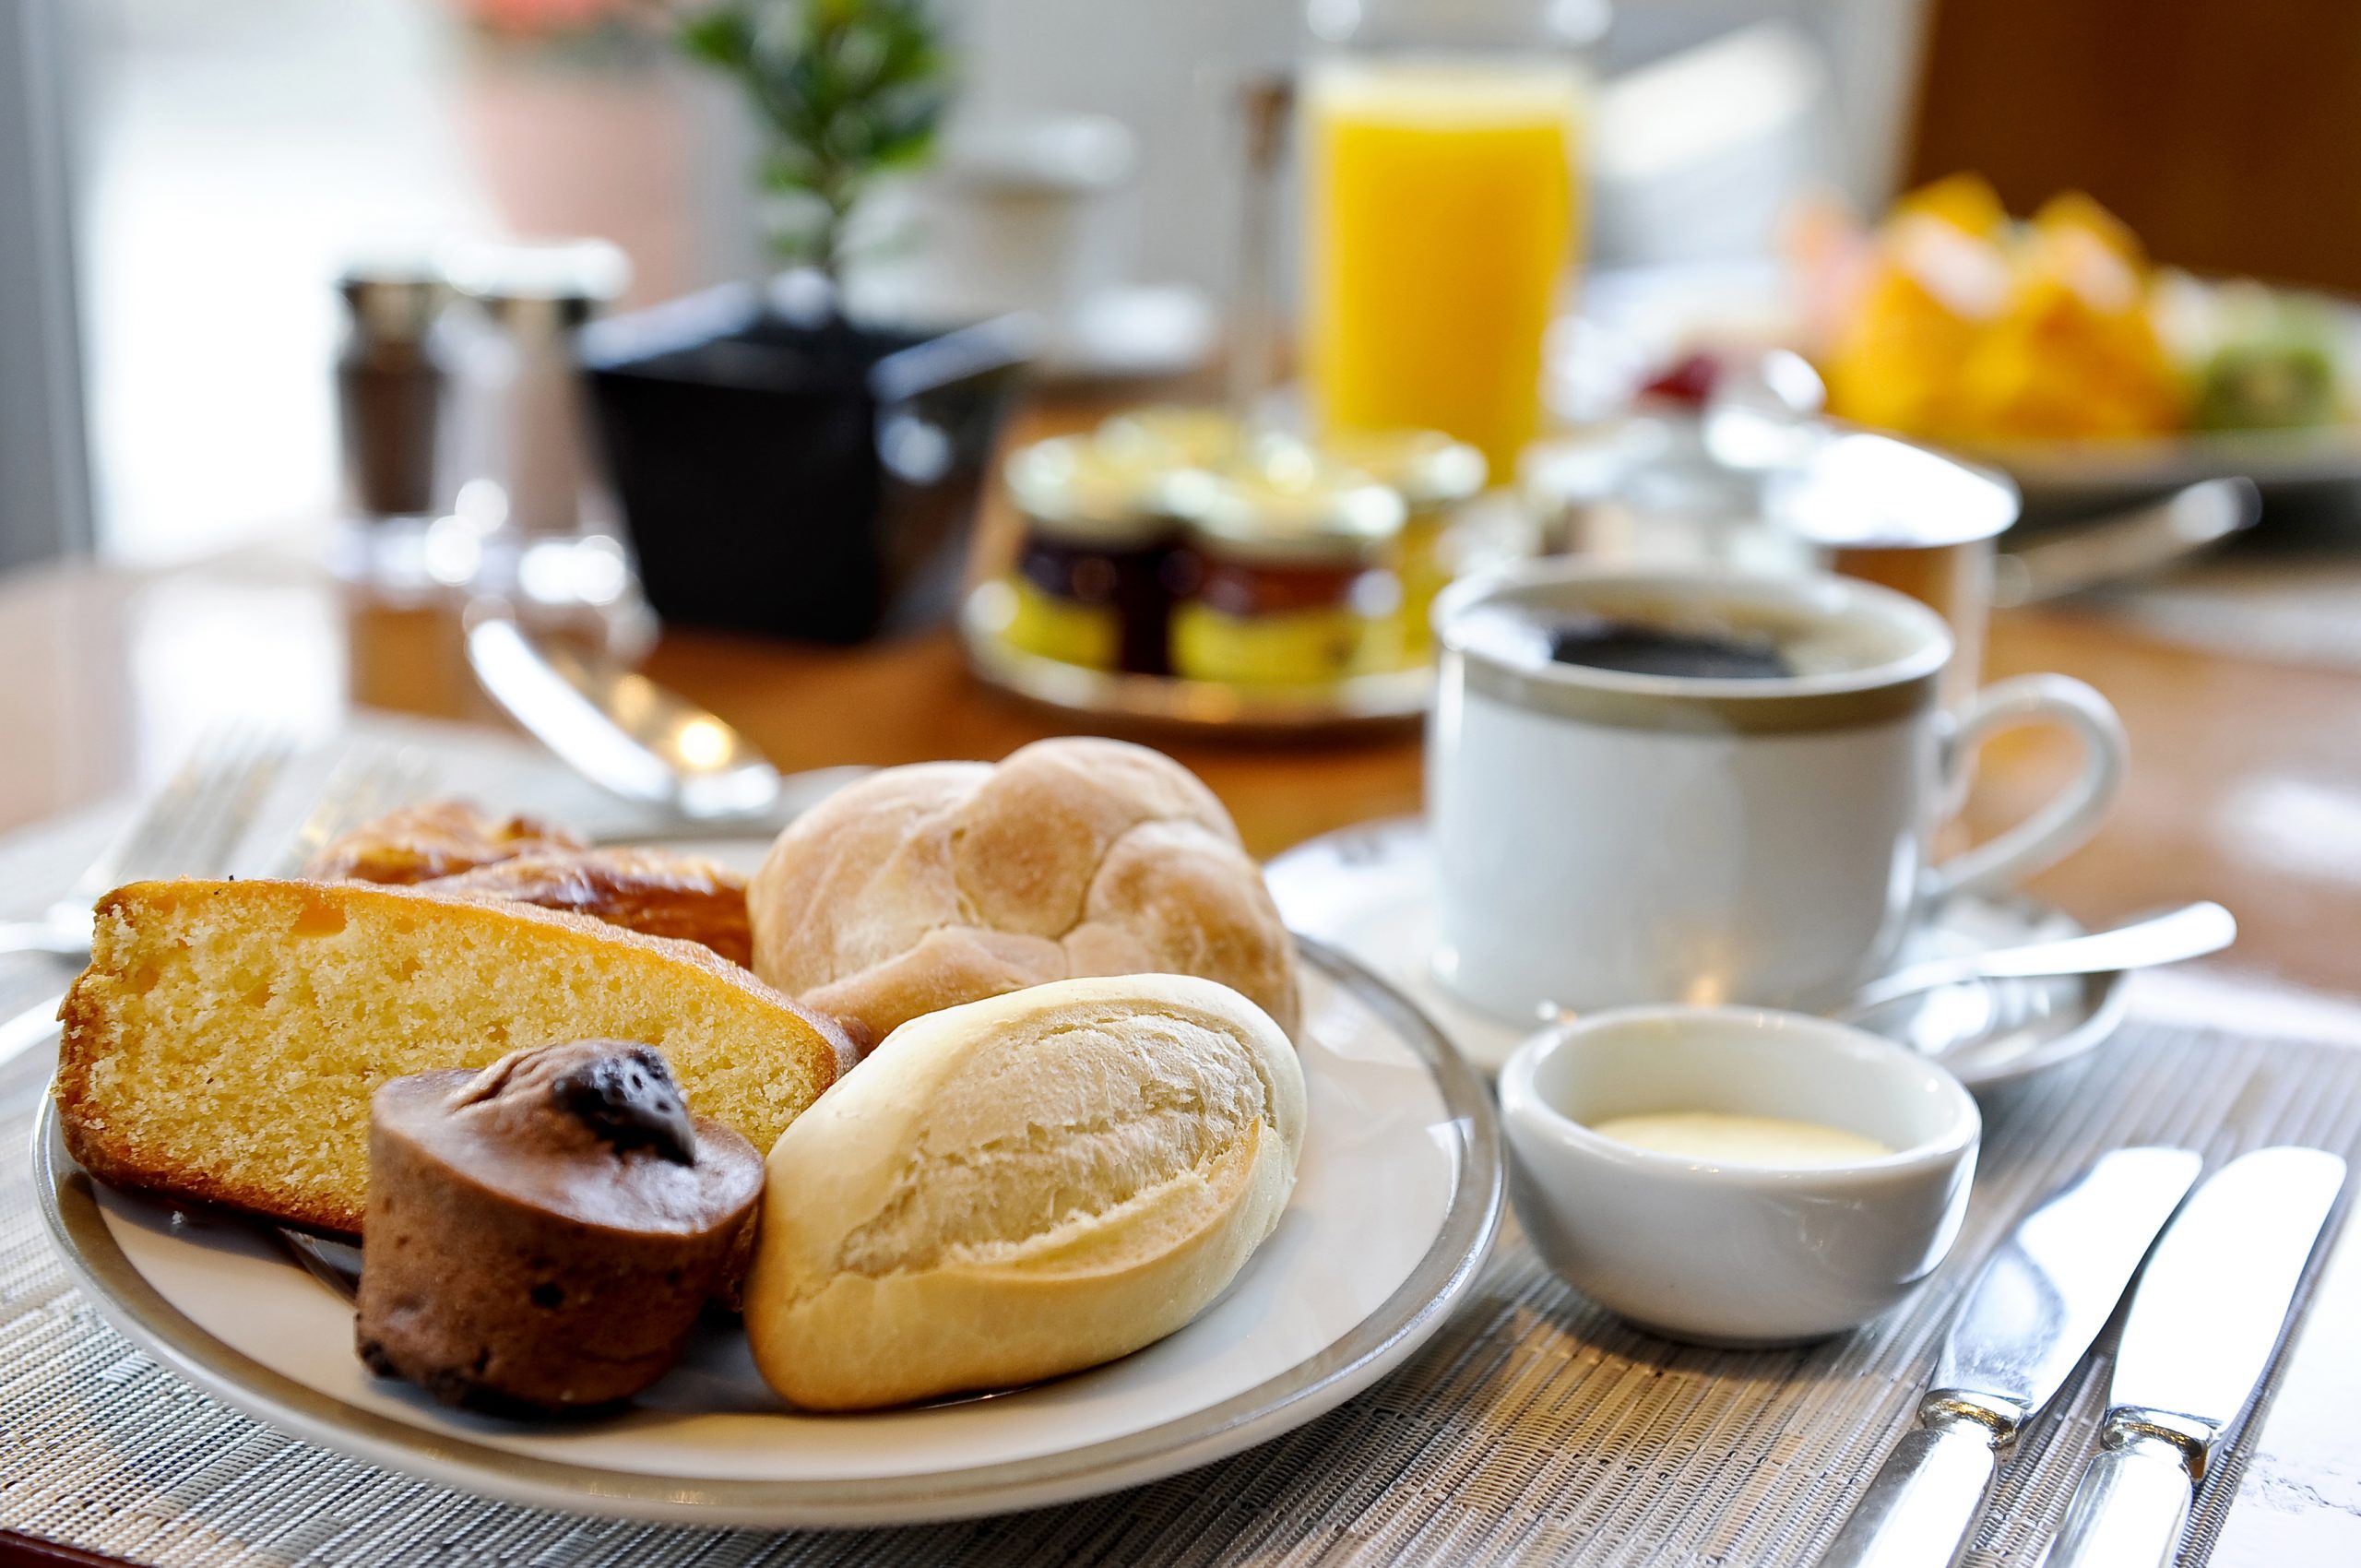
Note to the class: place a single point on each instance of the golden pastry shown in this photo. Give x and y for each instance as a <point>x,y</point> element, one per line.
<point>646,890</point>
<point>440,838</point>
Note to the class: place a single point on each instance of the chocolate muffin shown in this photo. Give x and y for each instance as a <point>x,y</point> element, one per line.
<point>543,1233</point>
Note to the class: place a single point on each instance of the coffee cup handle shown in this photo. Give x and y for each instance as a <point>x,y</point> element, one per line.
<point>2064,821</point>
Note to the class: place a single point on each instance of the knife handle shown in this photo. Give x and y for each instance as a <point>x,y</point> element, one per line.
<point>1923,1503</point>
<point>2134,1500</point>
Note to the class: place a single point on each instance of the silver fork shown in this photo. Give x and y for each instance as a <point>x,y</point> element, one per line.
<point>366,781</point>
<point>190,826</point>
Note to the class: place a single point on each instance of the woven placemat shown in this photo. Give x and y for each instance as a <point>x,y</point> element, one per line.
<point>1535,1427</point>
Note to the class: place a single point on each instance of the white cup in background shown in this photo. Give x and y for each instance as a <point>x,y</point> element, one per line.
<point>1604,839</point>
<point>1020,214</point>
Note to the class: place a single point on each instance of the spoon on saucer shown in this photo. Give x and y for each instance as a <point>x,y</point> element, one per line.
<point>2189,932</point>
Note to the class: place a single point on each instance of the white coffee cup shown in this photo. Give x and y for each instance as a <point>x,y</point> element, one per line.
<point>1604,839</point>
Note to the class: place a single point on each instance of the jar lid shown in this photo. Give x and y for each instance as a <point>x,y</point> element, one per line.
<point>1862,492</point>
<point>1172,435</point>
<point>1425,467</point>
<point>1287,502</point>
<point>1073,489</point>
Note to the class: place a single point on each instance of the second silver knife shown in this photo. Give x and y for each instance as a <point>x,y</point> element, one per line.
<point>2197,1343</point>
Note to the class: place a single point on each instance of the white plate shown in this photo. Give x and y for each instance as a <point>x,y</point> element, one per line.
<point>1393,1209</point>
<point>2090,473</point>
<point>1640,317</point>
<point>1368,890</point>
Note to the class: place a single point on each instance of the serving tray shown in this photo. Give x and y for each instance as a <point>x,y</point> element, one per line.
<point>1384,700</point>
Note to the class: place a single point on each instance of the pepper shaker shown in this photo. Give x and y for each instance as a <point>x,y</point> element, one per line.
<point>391,380</point>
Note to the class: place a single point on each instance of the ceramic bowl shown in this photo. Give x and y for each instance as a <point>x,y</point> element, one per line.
<point>1729,1253</point>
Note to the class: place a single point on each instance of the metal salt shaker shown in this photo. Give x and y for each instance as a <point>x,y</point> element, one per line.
<point>532,438</point>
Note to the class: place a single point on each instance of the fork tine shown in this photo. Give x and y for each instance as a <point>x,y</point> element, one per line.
<point>367,781</point>
<point>154,834</point>
<point>198,821</point>
<point>173,849</point>
<point>211,800</point>
<point>155,823</point>
<point>215,838</point>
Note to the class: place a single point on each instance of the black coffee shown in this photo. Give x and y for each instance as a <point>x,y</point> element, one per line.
<point>1641,650</point>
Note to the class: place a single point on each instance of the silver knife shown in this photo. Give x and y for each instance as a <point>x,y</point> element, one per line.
<point>2208,1312</point>
<point>2032,1312</point>
<point>622,730</point>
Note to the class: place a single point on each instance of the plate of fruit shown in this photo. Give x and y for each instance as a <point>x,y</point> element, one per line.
<point>2054,347</point>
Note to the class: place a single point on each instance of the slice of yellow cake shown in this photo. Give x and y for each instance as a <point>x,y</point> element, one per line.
<point>223,1044</point>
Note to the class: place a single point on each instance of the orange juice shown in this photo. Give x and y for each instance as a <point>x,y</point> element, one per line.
<point>1442,221</point>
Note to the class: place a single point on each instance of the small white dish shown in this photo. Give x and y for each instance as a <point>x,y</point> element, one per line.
<point>1726,1253</point>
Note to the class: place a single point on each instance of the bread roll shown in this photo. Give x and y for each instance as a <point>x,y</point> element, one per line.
<point>925,887</point>
<point>1022,1187</point>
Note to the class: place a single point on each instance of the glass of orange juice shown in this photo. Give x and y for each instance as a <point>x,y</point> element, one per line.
<point>1442,144</point>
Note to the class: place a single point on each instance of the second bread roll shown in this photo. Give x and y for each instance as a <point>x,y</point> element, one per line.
<point>924,886</point>
<point>1022,1187</point>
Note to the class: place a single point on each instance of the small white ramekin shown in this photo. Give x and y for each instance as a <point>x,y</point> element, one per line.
<point>1736,1254</point>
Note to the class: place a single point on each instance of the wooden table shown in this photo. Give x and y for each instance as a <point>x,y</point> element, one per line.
<point>2246,782</point>
<point>2245,787</point>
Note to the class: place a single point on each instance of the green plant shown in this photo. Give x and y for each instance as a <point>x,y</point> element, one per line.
<point>846,90</point>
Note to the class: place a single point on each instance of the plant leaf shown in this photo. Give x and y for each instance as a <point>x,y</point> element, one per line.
<point>846,89</point>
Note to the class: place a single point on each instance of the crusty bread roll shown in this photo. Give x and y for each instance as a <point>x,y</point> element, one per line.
<point>1022,1187</point>
<point>439,838</point>
<point>921,887</point>
<point>223,1044</point>
<point>653,891</point>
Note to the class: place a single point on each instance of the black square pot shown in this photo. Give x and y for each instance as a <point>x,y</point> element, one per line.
<point>807,481</point>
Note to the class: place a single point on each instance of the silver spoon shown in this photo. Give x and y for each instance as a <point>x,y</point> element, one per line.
<point>633,737</point>
<point>2127,544</point>
<point>2190,931</point>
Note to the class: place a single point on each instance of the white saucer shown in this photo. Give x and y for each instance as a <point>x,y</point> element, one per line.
<point>1365,890</point>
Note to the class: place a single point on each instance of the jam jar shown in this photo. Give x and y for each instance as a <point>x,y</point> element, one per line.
<point>1091,581</point>
<point>1435,476</point>
<point>1293,580</point>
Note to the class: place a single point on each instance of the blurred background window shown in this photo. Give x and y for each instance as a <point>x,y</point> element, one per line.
<point>45,505</point>
<point>226,156</point>
<point>236,153</point>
